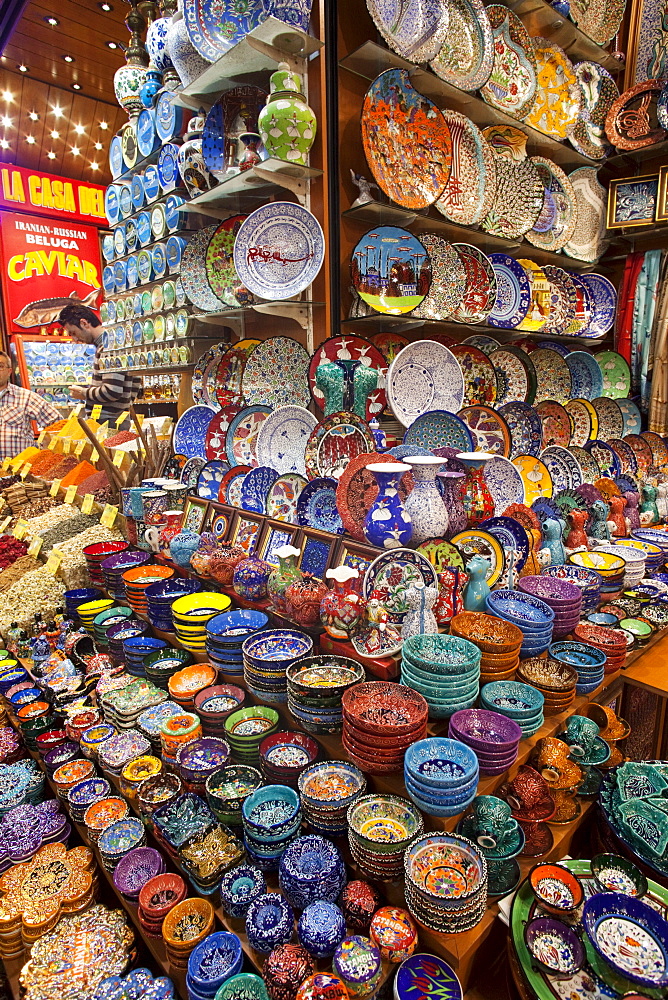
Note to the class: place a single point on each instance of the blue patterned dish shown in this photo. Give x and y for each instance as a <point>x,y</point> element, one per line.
<point>239,888</point>
<point>279,250</point>
<point>414,971</point>
<point>607,460</point>
<point>563,467</point>
<point>517,701</point>
<point>525,610</point>
<point>441,763</point>
<point>513,292</point>
<point>190,431</point>
<point>526,430</point>
<point>510,534</point>
<point>209,479</point>
<point>321,928</point>
<point>281,442</point>
<point>578,655</point>
<point>311,869</point>
<point>630,936</point>
<point>586,375</point>
<point>214,960</point>
<point>269,922</point>
<point>439,429</point>
<point>604,305</point>
<point>505,483</point>
<point>255,487</point>
<point>316,506</point>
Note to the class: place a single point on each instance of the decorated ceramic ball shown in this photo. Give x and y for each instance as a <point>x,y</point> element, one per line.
<point>394,933</point>
<point>285,969</point>
<point>320,928</point>
<point>322,986</point>
<point>359,901</point>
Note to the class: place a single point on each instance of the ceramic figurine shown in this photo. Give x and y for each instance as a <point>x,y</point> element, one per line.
<point>186,60</point>
<point>452,501</point>
<point>420,619</point>
<point>283,575</point>
<point>598,528</point>
<point>286,123</point>
<point>424,504</point>
<point>364,187</point>
<point>378,635</point>
<point>450,594</point>
<point>250,578</point>
<point>473,490</point>
<point>552,539</point>
<point>387,525</point>
<point>507,580</point>
<point>342,609</point>
<point>649,513</point>
<point>129,79</point>
<point>182,547</point>
<point>577,537</point>
<point>192,167</point>
<point>616,519</point>
<point>302,600</point>
<point>379,435</point>
<point>477,590</point>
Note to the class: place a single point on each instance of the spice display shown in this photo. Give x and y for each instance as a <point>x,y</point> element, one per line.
<point>78,474</point>
<point>10,550</point>
<point>36,591</point>
<point>49,519</point>
<point>17,569</point>
<point>73,568</point>
<point>122,437</point>
<point>67,528</point>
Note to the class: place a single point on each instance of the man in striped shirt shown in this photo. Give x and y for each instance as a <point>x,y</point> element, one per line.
<point>113,390</point>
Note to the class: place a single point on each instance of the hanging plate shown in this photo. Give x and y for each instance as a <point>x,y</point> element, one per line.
<point>563,467</point>
<point>610,419</point>
<point>279,250</point>
<point>448,279</point>
<point>601,20</point>
<point>488,428</point>
<point>483,343</point>
<point>414,29</point>
<point>230,485</point>
<point>599,93</point>
<point>479,375</point>
<point>504,482</point>
<point>511,85</point>
<point>558,217</point>
<point>476,542</point>
<point>230,373</point>
<point>276,374</point>
<point>556,424</point>
<point>513,292</point>
<point>586,375</point>
<point>241,437</point>
<point>333,442</point>
<point>190,431</point>
<point>605,458</point>
<point>624,453</point>
<point>584,421</point>
<point>535,476</point>
<point>220,271</point>
<point>316,506</point>
<point>604,304</point>
<point>214,445</point>
<point>553,376</point>
<point>588,240</point>
<point>539,308</point>
<point>392,573</point>
<point>208,482</point>
<point>511,535</point>
<point>563,300</point>
<point>283,498</point>
<point>213,31</point>
<point>439,429</point>
<point>616,374</point>
<point>466,54</point>
<point>190,472</point>
<point>255,487</point>
<point>630,415</point>
<point>469,193</point>
<point>518,198</point>
<point>479,294</point>
<point>424,376</point>
<point>583,307</point>
<point>389,345</point>
<point>281,441</point>
<point>390,270</point>
<point>642,452</point>
<point>525,428</point>
<point>193,272</point>
<point>558,96</point>
<point>658,448</point>
<point>518,375</point>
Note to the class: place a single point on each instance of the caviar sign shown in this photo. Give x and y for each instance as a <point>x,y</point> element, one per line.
<point>45,194</point>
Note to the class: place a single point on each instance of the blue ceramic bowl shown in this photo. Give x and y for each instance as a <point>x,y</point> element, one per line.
<point>311,869</point>
<point>271,812</point>
<point>578,654</point>
<point>614,922</point>
<point>446,682</point>
<point>231,628</point>
<point>441,763</point>
<point>321,928</point>
<point>524,609</point>
<point>278,647</point>
<point>214,960</point>
<point>512,698</point>
<point>443,811</point>
<point>269,922</point>
<point>239,888</point>
<point>445,797</point>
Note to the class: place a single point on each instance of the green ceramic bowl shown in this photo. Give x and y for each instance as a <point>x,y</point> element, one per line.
<point>616,874</point>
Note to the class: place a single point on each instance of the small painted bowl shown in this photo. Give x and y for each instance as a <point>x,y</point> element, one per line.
<point>556,889</point>
<point>554,947</point>
<point>485,730</point>
<point>240,887</point>
<point>616,874</point>
<point>393,933</point>
<point>271,812</point>
<point>610,919</point>
<point>269,922</point>
<point>321,928</point>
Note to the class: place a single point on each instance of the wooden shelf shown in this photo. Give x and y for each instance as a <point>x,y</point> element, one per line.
<point>377,322</point>
<point>253,187</point>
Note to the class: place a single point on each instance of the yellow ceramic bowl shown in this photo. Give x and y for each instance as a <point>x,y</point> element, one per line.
<point>91,609</point>
<point>602,562</point>
<point>196,602</point>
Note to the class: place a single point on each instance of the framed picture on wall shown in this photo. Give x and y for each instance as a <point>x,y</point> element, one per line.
<point>317,550</point>
<point>356,555</point>
<point>275,535</point>
<point>194,514</point>
<point>219,520</point>
<point>246,530</point>
<point>632,201</point>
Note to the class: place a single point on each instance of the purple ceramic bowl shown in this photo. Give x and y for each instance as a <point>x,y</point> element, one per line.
<point>62,754</point>
<point>501,769</point>
<point>561,960</point>
<point>129,628</point>
<point>136,868</point>
<point>552,590</point>
<point>485,730</point>
<point>120,561</point>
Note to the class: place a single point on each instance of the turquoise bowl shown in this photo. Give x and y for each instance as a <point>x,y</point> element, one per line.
<point>441,654</point>
<point>512,698</point>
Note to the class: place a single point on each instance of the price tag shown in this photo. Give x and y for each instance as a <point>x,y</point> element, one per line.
<point>20,529</point>
<point>94,455</point>
<point>103,430</point>
<point>96,412</point>
<point>4,524</point>
<point>76,410</point>
<point>122,417</point>
<point>25,469</point>
<point>80,447</point>
<point>35,546</point>
<point>109,515</point>
<point>87,503</point>
<point>41,436</point>
<point>118,459</point>
<point>141,417</point>
<point>6,462</point>
<point>53,442</point>
<point>70,493</point>
<point>16,462</point>
<point>66,446</point>
<point>55,486</point>
<point>54,561</point>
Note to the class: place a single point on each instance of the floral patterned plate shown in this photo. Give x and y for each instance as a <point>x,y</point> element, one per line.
<point>241,437</point>
<point>488,428</point>
<point>535,476</point>
<point>513,292</point>
<point>552,374</point>
<point>193,272</point>
<point>558,96</point>
<point>424,376</point>
<point>518,375</point>
<point>556,424</point>
<point>600,21</point>
<point>190,431</point>
<point>604,304</point>
<point>642,452</point>
<point>599,93</point>
<point>479,294</point>
<point>586,376</point>
<point>282,438</point>
<point>610,419</point>
<point>230,373</point>
<point>214,446</point>
<point>616,374</point>
<point>605,457</point>
<point>525,428</point>
<point>283,497</point>
<point>563,300</point>
<point>504,482</point>
<point>392,572</point>
<point>590,469</point>
<point>276,374</point>
<point>255,487</point>
<point>624,453</point>
<point>230,485</point>
<point>588,241</point>
<point>518,198</point>
<point>191,470</point>
<point>220,271</point>
<point>558,217</point>
<point>448,279</point>
<point>483,343</point>
<point>316,506</point>
<point>415,30</point>
<point>658,448</point>
<point>480,383</point>
<point>511,85</point>
<point>466,54</point>
<point>563,467</point>
<point>333,442</point>
<point>439,429</point>
<point>469,193</point>
<point>583,307</point>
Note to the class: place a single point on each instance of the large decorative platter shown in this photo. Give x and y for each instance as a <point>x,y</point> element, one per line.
<point>390,270</point>
<point>279,250</point>
<point>256,486</point>
<point>513,292</point>
<point>208,482</point>
<point>349,347</point>
<point>511,535</point>
<point>333,442</point>
<point>642,452</point>
<point>276,374</point>
<point>624,453</point>
<point>229,373</point>
<point>586,376</point>
<point>357,489</point>
<point>555,422</point>
<point>616,374</point>
<point>230,485</point>
<point>516,373</point>
<point>601,20</point>
<point>552,374</point>
<point>441,554</point>
<point>535,476</point>
<point>587,242</point>
<point>220,270</point>
<point>518,198</point>
<point>558,217</point>
<point>393,572</point>
<point>480,383</point>
<point>587,462</point>
<point>282,438</point>
<point>204,370</point>
<point>630,415</point>
<point>412,174</point>
<point>190,431</point>
<point>604,300</point>
<point>563,467</point>
<point>469,193</point>
<point>488,428</point>
<point>213,32</point>
<point>511,85</point>
<point>525,428</point>
<point>610,419</point>
<point>414,29</point>
<point>424,376</point>
<point>605,457</point>
<point>448,279</point>
<point>599,93</point>
<point>558,96</point>
<point>466,54</point>
<point>584,422</point>
<point>283,498</point>
<point>479,295</point>
<point>476,542</point>
<point>657,446</point>
<point>193,272</point>
<point>439,429</point>
<point>316,506</point>
<point>539,307</point>
<point>241,438</point>
<point>504,482</point>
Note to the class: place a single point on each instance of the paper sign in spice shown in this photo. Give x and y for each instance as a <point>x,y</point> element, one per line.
<point>55,486</point>
<point>70,493</point>
<point>35,546</point>
<point>109,515</point>
<point>54,561</point>
<point>87,503</point>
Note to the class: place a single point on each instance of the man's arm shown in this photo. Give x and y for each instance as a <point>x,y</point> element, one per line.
<point>109,389</point>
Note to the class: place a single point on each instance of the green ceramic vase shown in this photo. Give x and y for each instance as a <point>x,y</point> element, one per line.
<point>286,123</point>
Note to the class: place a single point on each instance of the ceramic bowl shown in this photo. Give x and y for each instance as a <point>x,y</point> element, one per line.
<point>321,928</point>
<point>441,654</point>
<point>271,812</point>
<point>556,889</point>
<point>285,755</point>
<point>239,887</point>
<point>311,869</point>
<point>490,634</point>
<point>214,960</point>
<point>269,922</point>
<point>547,674</point>
<point>527,612</point>
<point>277,647</point>
<point>630,936</point>
<point>616,874</point>
<point>385,709</point>
<point>554,947</point>
<point>485,730</point>
<point>227,789</point>
<point>578,655</point>
<point>441,763</point>
<point>427,855</point>
<point>383,823</point>
<point>516,700</point>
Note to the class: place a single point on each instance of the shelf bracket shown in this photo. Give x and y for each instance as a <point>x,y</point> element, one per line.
<point>297,185</point>
<point>297,311</point>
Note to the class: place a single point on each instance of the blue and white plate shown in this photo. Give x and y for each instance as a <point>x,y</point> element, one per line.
<point>151,182</point>
<point>213,139</point>
<point>604,305</point>
<point>316,506</point>
<point>144,234</point>
<point>630,416</point>
<point>282,439</point>
<point>610,419</point>
<point>116,156</point>
<point>513,292</point>
<point>424,376</point>
<point>586,376</point>
<point>213,32</point>
<point>510,534</point>
<point>526,430</point>
<point>168,167</point>
<point>190,431</point>
<point>606,458</point>
<point>439,429</point>
<point>505,483</point>
<point>554,345</point>
<point>193,272</point>
<point>191,470</point>
<point>256,486</point>
<point>563,467</point>
<point>137,188</point>
<point>209,479</point>
<point>279,250</point>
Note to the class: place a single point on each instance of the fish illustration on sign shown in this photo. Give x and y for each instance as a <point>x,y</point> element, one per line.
<point>45,311</point>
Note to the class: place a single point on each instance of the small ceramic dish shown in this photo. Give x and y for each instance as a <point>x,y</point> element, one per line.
<point>485,730</point>
<point>556,889</point>
<point>630,936</point>
<point>616,874</point>
<point>554,947</point>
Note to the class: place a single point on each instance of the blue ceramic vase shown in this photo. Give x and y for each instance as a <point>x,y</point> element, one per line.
<point>182,547</point>
<point>250,578</point>
<point>387,525</point>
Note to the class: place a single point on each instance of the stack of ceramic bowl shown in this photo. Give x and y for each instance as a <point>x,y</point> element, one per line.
<point>327,789</point>
<point>184,926</point>
<point>136,648</point>
<point>520,702</point>
<point>135,869</point>
<point>190,615</point>
<point>610,568</point>
<point>499,643</point>
<point>587,580</point>
<point>211,963</point>
<point>563,597</point>
<point>73,598</point>
<point>89,611</point>
<point>139,579</point>
<point>185,684</point>
<point>117,634</point>
<point>380,828</point>
<point>151,719</point>
<point>196,761</point>
<point>447,905</point>
<point>103,621</point>
<point>215,703</point>
<point>533,616</point>
<point>652,553</point>
<point>634,569</point>
<point>316,685</point>
<point>228,788</point>
<point>493,737</point>
<point>157,791</point>
<point>653,536</point>
<point>555,681</point>
<point>175,732</point>
<point>102,814</point>
<point>267,656</point>
<point>95,555</point>
<point>136,772</point>
<point>156,898</point>
<point>283,757</point>
<point>225,635</point>
<point>311,869</point>
<point>609,641</point>
<point>245,730</point>
<point>160,666</point>
<point>587,660</point>
<point>444,669</point>
<point>117,840</point>
<point>441,776</point>
<point>113,568</point>
<point>271,819</point>
<point>380,721</point>
<point>160,597</point>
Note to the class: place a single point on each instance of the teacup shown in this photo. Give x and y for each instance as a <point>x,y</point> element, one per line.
<point>526,789</point>
<point>548,757</point>
<point>495,827</point>
<point>580,734</point>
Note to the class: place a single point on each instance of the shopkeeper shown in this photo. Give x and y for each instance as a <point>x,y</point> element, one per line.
<point>18,408</point>
<point>113,390</point>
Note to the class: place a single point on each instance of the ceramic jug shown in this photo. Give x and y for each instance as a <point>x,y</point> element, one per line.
<point>250,578</point>
<point>342,609</point>
<point>286,123</point>
<point>192,167</point>
<point>283,575</point>
<point>473,491</point>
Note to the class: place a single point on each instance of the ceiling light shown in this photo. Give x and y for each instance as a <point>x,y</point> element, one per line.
<point>53,21</point>
<point>111,45</point>
<point>33,116</point>
<point>68,59</point>
<point>103,125</point>
<point>6,121</point>
<point>4,144</point>
<point>7,95</point>
<point>76,86</point>
<point>74,151</point>
<point>79,129</point>
<point>30,139</point>
<point>57,111</point>
<point>22,68</point>
<point>51,154</point>
<point>105,7</point>
<point>55,135</point>
<point>94,165</point>
<point>98,145</point>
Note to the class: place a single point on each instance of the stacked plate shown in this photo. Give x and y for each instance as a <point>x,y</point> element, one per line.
<point>380,828</point>
<point>608,640</point>
<point>587,580</point>
<point>271,819</point>
<point>587,660</point>
<point>452,904</point>
<point>160,665</point>
<point>380,721</point>
<point>610,568</point>
<point>191,613</point>
<point>283,757</point>
<point>225,635</point>
<point>555,681</point>
<point>653,552</point>
<point>160,597</point>
<point>316,685</point>
<point>653,536</point>
<point>327,790</point>
<point>563,597</point>
<point>533,616</point>
<point>499,643</point>
<point>520,702</point>
<point>96,554</point>
<point>493,737</point>
<point>267,656</point>
<point>139,579</point>
<point>245,730</point>
<point>444,669</point>
<point>136,648</point>
<point>214,704</point>
<point>441,776</point>
<point>114,566</point>
<point>634,569</point>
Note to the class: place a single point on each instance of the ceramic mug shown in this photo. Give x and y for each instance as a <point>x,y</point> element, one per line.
<point>549,756</point>
<point>136,493</point>
<point>493,823</point>
<point>154,504</point>
<point>526,789</point>
<point>580,734</point>
<point>177,494</point>
<point>152,536</point>
<point>126,501</point>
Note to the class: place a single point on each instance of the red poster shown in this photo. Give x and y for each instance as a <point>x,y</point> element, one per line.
<point>45,194</point>
<point>45,264</point>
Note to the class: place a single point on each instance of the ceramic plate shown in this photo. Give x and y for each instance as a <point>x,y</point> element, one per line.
<point>504,482</point>
<point>563,467</point>
<point>214,445</point>
<point>283,497</point>
<point>588,240</point>
<point>600,21</point>
<point>411,174</point>
<point>555,422</point>
<point>624,453</point>
<point>357,489</point>
<point>586,377</point>
<point>393,572</point>
<point>477,542</point>
<point>390,270</point>
<point>349,348</point>
<point>658,448</point>
<point>190,431</point>
<point>220,270</point>
<point>483,343</point>
<point>513,292</point>
<point>333,442</point>
<point>480,383</point>
<point>583,307</point>
<point>316,506</point>
<point>604,302</point>
<point>193,272</point>
<point>558,217</point>
<point>563,300</point>
<point>525,428</point>
<point>516,375</point>
<point>553,376</point>
<point>558,96</point>
<point>209,479</point>
<point>466,54</point>
<point>479,294</point>
<point>511,535</point>
<point>212,34</point>
<point>630,415</point>
<point>605,458</point>
<point>424,376</point>
<point>511,86</point>
<point>190,472</point>
<point>469,193</point>
<point>616,374</point>
<point>539,306</point>
<point>488,428</point>
<point>414,29</point>
<point>204,378</point>
<point>241,438</point>
<point>587,462</point>
<point>276,374</point>
<point>610,419</point>
<point>229,373</point>
<point>448,279</point>
<point>282,438</point>
<point>642,452</point>
<point>632,122</point>
<point>518,198</point>
<point>279,250</point>
<point>599,93</point>
<point>439,429</point>
<point>535,476</point>
<point>389,344</point>
<point>255,487</point>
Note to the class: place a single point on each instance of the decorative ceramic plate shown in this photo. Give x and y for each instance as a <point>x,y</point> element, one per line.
<point>208,482</point>
<point>525,428</point>
<point>632,122</point>
<point>333,442</point>
<point>351,348</point>
<point>411,174</point>
<point>583,307</point>
<point>276,374</point>
<point>563,467</point>
<point>279,250</point>
<point>513,292</point>
<point>555,422</point>
<point>558,217</point>
<point>476,542</point>
<point>511,85</point>
<point>658,448</point>
<point>414,29</point>
<point>616,374</point>
<point>605,457</point>
<point>642,452</point>
<point>390,270</point>
<point>600,20</point>
<point>282,438</point>
<point>610,419</point>
<point>283,497</point>
<point>389,344</point>
<point>504,482</point>
<point>516,375</point>
<point>256,486</point>
<point>241,103</point>
<point>241,438</point>
<point>483,342</point>
<point>488,428</point>
<point>469,193</point>
<point>539,307</point>
<point>229,373</point>
<point>230,486</point>
<point>316,506</point>
<point>448,279</point>
<point>357,489</point>
<point>553,376</point>
<point>193,272</point>
<point>220,271</point>
<point>604,301</point>
<point>190,431</point>
<point>190,472</point>
<point>439,429</point>
<point>480,382</point>
<point>599,93</point>
<point>587,462</point>
<point>441,554</point>
<point>535,476</point>
<point>212,33</point>
<point>214,445</point>
<point>203,367</point>
<point>424,376</point>
<point>518,198</point>
<point>479,294</point>
<point>624,453</point>
<point>630,415</point>
<point>173,466</point>
<point>393,572</point>
<point>584,421</point>
<point>466,54</point>
<point>588,240</point>
<point>511,535</point>
<point>586,376</point>
<point>558,96</point>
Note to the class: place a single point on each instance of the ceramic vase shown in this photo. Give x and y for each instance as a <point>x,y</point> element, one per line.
<point>250,578</point>
<point>302,600</point>
<point>186,60</point>
<point>474,492</point>
<point>424,504</point>
<point>286,123</point>
<point>182,547</point>
<point>192,167</point>
<point>343,608</point>
<point>387,525</point>
<point>420,619</point>
<point>129,79</point>
<point>171,529</point>
<point>223,561</point>
<point>156,43</point>
<point>286,573</point>
<point>450,601</point>
<point>346,385</point>
<point>452,502</point>
<point>151,86</point>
